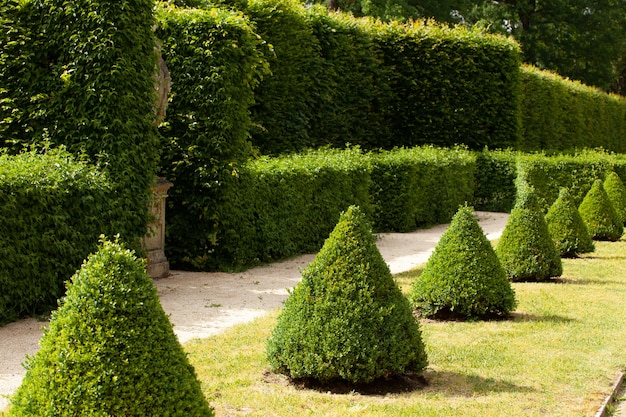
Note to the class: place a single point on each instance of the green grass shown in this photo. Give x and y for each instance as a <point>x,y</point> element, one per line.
<point>558,356</point>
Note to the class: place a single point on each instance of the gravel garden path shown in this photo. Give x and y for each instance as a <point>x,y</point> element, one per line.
<point>201,304</point>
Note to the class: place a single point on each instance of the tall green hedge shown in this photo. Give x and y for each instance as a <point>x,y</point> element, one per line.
<point>450,86</point>
<point>559,114</point>
<point>284,103</point>
<point>215,60</point>
<point>80,74</point>
<point>53,210</point>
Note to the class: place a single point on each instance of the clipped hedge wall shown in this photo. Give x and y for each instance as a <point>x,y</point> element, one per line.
<point>53,210</point>
<point>548,174</point>
<point>559,114</point>
<point>286,206</point>
<point>450,86</point>
<point>80,74</point>
<point>421,186</point>
<point>495,180</point>
<point>214,59</point>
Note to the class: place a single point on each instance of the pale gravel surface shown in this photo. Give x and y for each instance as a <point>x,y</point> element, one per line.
<point>202,304</point>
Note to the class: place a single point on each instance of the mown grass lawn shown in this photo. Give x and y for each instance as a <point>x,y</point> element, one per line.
<point>558,356</point>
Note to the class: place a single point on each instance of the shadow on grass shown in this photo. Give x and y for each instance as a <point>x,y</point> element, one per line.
<point>452,384</point>
<point>446,383</point>
<point>520,316</point>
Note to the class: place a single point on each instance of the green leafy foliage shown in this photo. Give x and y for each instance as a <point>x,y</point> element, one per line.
<point>560,114</point>
<point>596,210</point>
<point>53,209</point>
<point>420,186</point>
<point>567,228</point>
<point>547,174</point>
<point>526,249</point>
<point>110,349</point>
<point>616,192</point>
<point>285,206</point>
<point>215,60</point>
<point>80,74</point>
<point>495,180</point>
<point>463,277</point>
<point>347,319</point>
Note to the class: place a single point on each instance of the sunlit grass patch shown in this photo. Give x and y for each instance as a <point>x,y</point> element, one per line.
<point>557,356</point>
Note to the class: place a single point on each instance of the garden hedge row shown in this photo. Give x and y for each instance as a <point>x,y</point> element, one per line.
<point>559,114</point>
<point>53,210</point>
<point>215,61</point>
<point>287,206</point>
<point>336,80</point>
<point>497,172</point>
<point>80,74</point>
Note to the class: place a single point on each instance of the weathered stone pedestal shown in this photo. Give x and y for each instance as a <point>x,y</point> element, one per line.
<point>154,241</point>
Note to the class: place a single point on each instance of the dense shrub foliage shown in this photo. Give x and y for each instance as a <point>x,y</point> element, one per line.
<point>80,74</point>
<point>548,174</point>
<point>450,87</point>
<point>280,207</point>
<point>559,114</point>
<point>214,62</point>
<point>526,249</point>
<point>110,349</point>
<point>420,186</point>
<point>567,228</point>
<point>463,277</point>
<point>603,222</point>
<point>347,319</point>
<point>616,192</point>
<point>53,210</point>
<point>495,180</point>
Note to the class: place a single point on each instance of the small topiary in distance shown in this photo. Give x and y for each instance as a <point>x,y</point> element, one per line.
<point>567,228</point>
<point>110,349</point>
<point>616,192</point>
<point>347,319</point>
<point>526,249</point>
<point>596,210</point>
<point>463,277</point>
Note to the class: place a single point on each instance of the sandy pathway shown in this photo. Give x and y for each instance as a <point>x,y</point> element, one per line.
<point>201,304</point>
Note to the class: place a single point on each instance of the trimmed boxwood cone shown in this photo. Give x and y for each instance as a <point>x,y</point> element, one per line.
<point>463,277</point>
<point>616,192</point>
<point>347,319</point>
<point>526,249</point>
<point>599,215</point>
<point>567,228</point>
<point>110,350</point>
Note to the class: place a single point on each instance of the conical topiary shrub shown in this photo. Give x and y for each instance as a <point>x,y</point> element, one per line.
<point>567,228</point>
<point>110,350</point>
<point>526,249</point>
<point>463,277</point>
<point>596,210</point>
<point>616,192</point>
<point>347,319</point>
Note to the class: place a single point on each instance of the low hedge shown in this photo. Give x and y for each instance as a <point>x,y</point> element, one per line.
<point>496,171</point>
<point>422,186</point>
<point>53,209</point>
<point>285,206</point>
<point>548,174</point>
